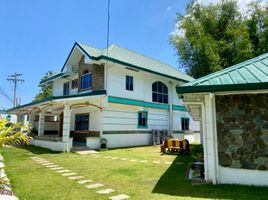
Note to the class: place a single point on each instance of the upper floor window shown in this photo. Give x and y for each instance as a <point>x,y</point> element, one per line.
<point>66,88</point>
<point>129,83</point>
<point>185,124</point>
<point>159,92</point>
<point>74,83</point>
<point>85,80</point>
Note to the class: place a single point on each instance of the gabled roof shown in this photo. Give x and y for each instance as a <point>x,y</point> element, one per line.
<point>129,58</point>
<point>249,75</point>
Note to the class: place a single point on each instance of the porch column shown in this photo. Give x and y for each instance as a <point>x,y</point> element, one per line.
<point>31,120</point>
<point>66,127</point>
<point>20,119</point>
<point>210,140</point>
<point>41,123</point>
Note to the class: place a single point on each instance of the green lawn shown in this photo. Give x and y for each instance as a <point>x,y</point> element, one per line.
<point>31,180</point>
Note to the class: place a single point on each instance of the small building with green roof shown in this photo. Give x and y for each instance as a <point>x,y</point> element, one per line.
<point>232,105</point>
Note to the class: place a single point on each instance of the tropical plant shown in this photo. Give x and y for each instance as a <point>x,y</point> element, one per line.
<point>11,134</point>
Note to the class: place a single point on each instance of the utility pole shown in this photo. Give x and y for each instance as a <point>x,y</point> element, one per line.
<point>15,79</point>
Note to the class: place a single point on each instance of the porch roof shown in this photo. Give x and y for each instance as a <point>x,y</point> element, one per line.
<point>249,75</point>
<point>48,99</point>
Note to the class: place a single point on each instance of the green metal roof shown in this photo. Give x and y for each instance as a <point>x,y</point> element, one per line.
<point>249,75</point>
<point>129,58</point>
<point>125,56</point>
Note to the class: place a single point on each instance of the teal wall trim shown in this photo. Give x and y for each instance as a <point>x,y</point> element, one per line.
<point>179,108</point>
<point>134,102</point>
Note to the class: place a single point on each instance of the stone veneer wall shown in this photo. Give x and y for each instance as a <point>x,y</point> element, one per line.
<point>97,74</point>
<point>242,130</point>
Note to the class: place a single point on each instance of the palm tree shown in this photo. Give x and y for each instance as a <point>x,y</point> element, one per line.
<point>11,134</point>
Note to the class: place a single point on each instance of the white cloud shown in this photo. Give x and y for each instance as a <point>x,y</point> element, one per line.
<point>169,8</point>
<point>242,4</point>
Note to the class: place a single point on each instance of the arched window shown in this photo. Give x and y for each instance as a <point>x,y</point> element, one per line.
<point>159,92</point>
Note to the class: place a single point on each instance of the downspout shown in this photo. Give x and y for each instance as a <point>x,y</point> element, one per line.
<point>171,111</point>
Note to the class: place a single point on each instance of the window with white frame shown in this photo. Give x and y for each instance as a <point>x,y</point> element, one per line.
<point>129,83</point>
<point>159,92</point>
<point>66,88</point>
<point>85,80</point>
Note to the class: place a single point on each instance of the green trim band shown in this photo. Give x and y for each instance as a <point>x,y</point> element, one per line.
<point>134,102</point>
<point>221,88</point>
<point>51,78</point>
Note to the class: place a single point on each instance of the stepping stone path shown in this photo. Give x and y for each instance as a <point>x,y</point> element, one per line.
<point>69,174</point>
<point>105,191</point>
<point>75,177</point>
<point>119,197</point>
<point>96,185</point>
<point>84,181</point>
<point>63,171</point>
<point>72,176</point>
<point>136,160</point>
<point>51,166</point>
<point>56,168</point>
<point>168,163</point>
<point>143,161</point>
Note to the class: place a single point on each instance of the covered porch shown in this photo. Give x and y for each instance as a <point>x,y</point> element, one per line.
<point>61,124</point>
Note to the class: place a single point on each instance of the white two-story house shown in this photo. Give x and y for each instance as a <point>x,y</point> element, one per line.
<point>112,93</point>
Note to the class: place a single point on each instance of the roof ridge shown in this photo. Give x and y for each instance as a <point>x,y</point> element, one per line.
<point>89,46</point>
<point>229,69</point>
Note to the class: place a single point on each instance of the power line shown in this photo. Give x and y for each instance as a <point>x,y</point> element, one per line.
<point>14,78</point>
<point>108,28</point>
<point>3,93</point>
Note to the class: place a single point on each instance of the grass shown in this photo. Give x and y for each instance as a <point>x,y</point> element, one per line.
<point>138,180</point>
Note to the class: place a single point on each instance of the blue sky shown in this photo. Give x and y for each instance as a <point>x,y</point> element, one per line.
<point>36,36</point>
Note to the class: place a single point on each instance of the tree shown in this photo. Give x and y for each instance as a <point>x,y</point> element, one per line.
<point>214,37</point>
<point>9,135</point>
<point>45,90</point>
<point>257,23</point>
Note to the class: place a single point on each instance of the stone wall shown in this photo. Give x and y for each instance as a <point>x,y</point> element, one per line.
<point>242,130</point>
<point>97,72</point>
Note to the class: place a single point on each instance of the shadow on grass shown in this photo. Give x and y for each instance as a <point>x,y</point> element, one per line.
<point>173,182</point>
<point>37,150</point>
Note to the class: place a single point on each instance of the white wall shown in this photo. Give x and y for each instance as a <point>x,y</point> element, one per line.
<point>243,176</point>
<point>94,117</point>
<point>125,117</point>
<point>116,80</point>
<point>52,145</point>
<point>125,140</point>
<point>177,115</point>
<point>58,85</point>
